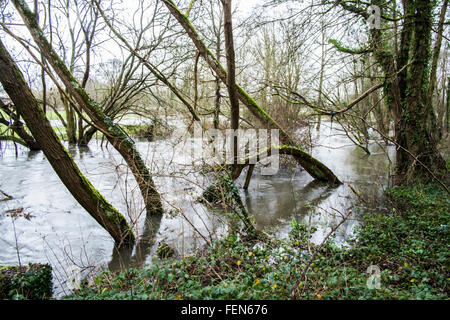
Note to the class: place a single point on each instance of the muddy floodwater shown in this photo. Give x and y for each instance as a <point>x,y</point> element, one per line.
<point>43,222</point>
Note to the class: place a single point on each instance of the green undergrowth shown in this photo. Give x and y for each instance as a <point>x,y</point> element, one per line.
<point>407,238</point>
<point>32,282</point>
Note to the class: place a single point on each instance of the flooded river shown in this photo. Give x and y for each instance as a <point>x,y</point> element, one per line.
<point>53,228</point>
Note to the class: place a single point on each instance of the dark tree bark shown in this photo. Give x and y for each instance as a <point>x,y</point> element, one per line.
<point>231,82</point>
<point>80,187</point>
<point>87,136</point>
<point>197,56</point>
<point>18,127</point>
<point>407,87</point>
<point>217,28</point>
<point>447,113</point>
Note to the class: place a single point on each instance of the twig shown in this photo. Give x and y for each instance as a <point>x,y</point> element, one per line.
<point>357,194</point>
<point>15,238</point>
<point>8,197</point>
<point>346,108</point>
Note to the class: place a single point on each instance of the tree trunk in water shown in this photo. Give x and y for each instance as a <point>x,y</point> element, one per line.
<point>70,129</point>
<point>197,56</point>
<point>121,142</point>
<point>18,128</point>
<point>231,82</point>
<point>71,122</point>
<point>87,136</point>
<point>322,70</point>
<point>216,119</point>
<point>82,190</point>
<point>80,130</point>
<point>314,167</point>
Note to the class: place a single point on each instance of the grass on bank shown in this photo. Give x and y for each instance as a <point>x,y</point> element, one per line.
<point>409,242</point>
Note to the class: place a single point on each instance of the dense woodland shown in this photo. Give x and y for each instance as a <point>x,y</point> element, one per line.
<point>377,70</point>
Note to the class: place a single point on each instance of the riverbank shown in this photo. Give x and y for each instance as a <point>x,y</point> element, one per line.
<point>404,237</point>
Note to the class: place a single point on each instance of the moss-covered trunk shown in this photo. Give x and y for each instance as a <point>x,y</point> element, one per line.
<point>416,154</point>
<point>314,167</point>
<point>80,187</point>
<point>121,142</point>
<point>417,113</point>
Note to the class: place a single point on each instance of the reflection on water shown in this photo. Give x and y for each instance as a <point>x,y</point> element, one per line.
<point>292,194</point>
<point>134,256</point>
<point>63,234</point>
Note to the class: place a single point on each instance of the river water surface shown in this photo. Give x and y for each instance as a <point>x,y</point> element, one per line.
<point>57,230</point>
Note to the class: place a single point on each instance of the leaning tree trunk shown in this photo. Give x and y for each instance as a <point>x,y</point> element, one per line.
<point>121,142</point>
<point>80,187</point>
<point>314,167</point>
